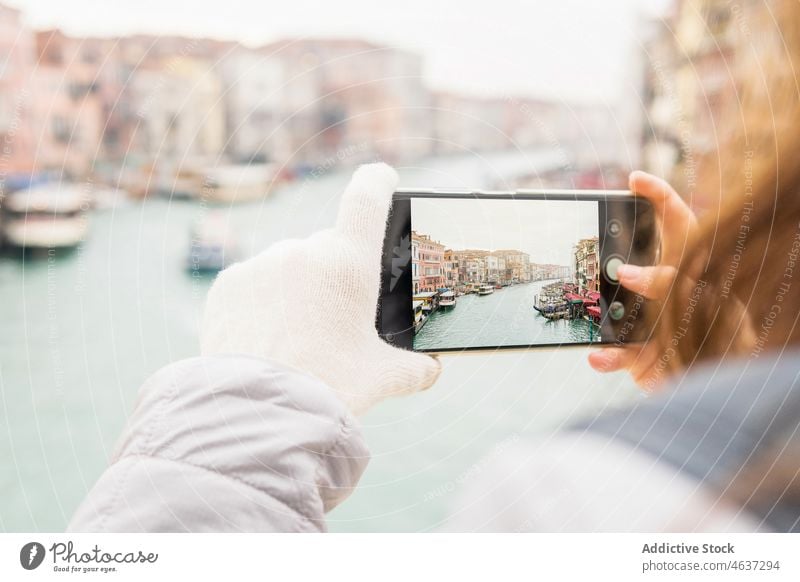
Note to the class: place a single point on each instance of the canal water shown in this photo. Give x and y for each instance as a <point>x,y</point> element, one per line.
<point>81,331</point>
<point>504,318</point>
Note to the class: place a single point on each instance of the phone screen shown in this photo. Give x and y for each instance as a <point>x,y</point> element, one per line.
<point>505,272</point>
<point>488,273</point>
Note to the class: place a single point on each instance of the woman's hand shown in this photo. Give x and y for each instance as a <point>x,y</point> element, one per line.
<point>677,224</point>
<point>310,304</point>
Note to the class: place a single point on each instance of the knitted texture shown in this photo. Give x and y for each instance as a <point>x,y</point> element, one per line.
<point>310,303</point>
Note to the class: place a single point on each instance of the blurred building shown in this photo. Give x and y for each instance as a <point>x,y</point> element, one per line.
<point>691,89</point>
<point>17,147</point>
<point>256,86</point>
<point>342,96</point>
<point>67,108</point>
<point>180,110</point>
<point>102,107</point>
<point>462,123</point>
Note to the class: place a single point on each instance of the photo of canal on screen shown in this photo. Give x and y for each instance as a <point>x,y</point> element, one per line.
<point>505,317</point>
<point>500,272</point>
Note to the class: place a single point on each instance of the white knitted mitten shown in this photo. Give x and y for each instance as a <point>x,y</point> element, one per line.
<point>310,304</point>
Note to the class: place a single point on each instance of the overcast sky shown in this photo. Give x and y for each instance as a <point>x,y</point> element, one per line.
<point>546,230</point>
<point>570,49</point>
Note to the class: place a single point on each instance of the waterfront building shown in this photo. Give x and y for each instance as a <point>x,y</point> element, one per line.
<point>517,265</point>
<point>181,110</point>
<point>254,99</point>
<point>491,123</point>
<point>16,115</point>
<point>316,103</point>
<point>587,265</point>
<point>476,270</point>
<point>430,262</point>
<point>451,270</point>
<point>547,271</point>
<point>415,264</point>
<point>342,93</point>
<point>495,269</point>
<point>67,110</point>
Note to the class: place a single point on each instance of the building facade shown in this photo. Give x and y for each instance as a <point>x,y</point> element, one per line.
<point>430,261</point>
<point>587,265</point>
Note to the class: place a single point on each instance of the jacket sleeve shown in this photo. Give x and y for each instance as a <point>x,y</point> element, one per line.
<point>228,443</point>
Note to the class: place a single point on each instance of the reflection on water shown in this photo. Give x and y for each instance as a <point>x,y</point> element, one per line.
<point>504,318</point>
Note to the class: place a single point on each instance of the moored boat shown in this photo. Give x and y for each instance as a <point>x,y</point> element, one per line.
<point>233,183</point>
<point>212,246</point>
<point>447,299</point>
<point>46,216</point>
<point>485,290</point>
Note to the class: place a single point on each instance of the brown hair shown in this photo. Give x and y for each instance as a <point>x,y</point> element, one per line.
<point>747,300</point>
<point>740,284</point>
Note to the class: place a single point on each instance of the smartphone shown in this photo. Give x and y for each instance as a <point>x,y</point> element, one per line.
<point>481,270</point>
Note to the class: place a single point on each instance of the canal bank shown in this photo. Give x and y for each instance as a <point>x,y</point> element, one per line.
<point>505,317</point>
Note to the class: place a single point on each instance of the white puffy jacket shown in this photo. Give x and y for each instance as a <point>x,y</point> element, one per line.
<point>240,444</point>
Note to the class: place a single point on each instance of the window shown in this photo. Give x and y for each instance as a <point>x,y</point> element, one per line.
<point>61,129</point>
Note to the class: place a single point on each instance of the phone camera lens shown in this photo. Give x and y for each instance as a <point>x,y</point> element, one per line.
<point>614,228</point>
<point>616,310</point>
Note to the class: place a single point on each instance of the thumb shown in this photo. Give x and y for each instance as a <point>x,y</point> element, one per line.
<point>365,205</point>
<point>405,372</point>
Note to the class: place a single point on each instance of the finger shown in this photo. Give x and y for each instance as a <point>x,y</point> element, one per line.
<point>613,359</point>
<point>639,359</point>
<point>365,205</point>
<point>649,282</point>
<point>646,370</point>
<point>406,372</point>
<point>677,219</point>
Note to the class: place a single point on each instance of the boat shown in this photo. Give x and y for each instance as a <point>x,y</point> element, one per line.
<point>218,184</point>
<point>560,314</point>
<point>212,246</point>
<point>238,183</point>
<point>46,216</point>
<point>108,197</point>
<point>447,299</point>
<point>485,290</point>
<point>419,317</point>
<point>547,308</point>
